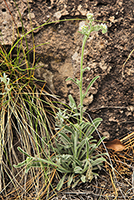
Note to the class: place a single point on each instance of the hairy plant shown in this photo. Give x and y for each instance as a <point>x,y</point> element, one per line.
<point>73,150</point>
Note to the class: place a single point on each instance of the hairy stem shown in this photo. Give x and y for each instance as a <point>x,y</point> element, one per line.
<point>81,77</point>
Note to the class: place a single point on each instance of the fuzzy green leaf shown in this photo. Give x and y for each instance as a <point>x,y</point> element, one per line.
<point>61,182</point>
<point>97,161</point>
<point>70,129</point>
<point>72,103</point>
<point>83,178</point>
<point>70,179</point>
<point>87,149</point>
<point>74,81</point>
<point>46,161</point>
<point>90,84</point>
<point>21,164</point>
<point>78,170</point>
<point>75,183</point>
<point>86,68</point>
<point>22,151</point>
<point>65,138</point>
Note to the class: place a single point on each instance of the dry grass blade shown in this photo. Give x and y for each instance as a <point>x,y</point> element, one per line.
<point>128,141</point>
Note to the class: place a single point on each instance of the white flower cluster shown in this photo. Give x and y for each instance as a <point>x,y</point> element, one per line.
<point>84,29</point>
<point>90,16</point>
<point>104,26</point>
<point>87,29</point>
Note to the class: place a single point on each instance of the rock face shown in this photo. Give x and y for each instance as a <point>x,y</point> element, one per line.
<point>112,95</point>
<point>10,20</point>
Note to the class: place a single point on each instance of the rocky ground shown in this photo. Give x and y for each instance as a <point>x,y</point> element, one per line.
<point>110,56</point>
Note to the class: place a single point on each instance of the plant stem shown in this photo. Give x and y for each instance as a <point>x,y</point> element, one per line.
<point>81,77</point>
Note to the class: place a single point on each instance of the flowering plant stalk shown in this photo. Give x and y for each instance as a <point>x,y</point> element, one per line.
<point>86,30</point>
